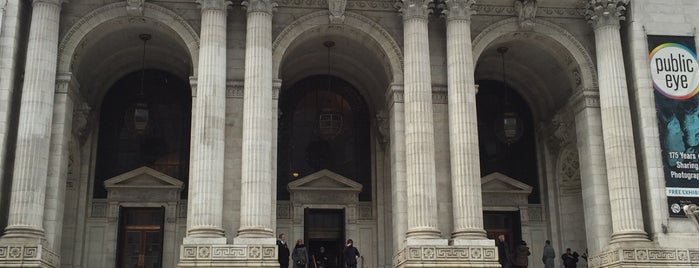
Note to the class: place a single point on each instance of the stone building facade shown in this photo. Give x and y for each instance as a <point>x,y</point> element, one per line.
<point>163,133</point>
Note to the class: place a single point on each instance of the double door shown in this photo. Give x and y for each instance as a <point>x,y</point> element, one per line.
<point>141,238</point>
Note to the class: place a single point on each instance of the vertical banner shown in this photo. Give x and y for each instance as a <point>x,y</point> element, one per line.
<point>675,74</point>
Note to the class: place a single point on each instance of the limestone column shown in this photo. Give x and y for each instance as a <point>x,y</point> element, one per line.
<point>61,131</point>
<point>463,124</point>
<point>399,196</point>
<point>419,126</point>
<point>622,172</point>
<point>26,215</point>
<point>255,201</point>
<point>593,172</point>
<point>205,208</point>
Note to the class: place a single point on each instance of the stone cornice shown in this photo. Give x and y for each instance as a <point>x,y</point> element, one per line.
<point>480,9</point>
<point>414,9</point>
<point>585,98</point>
<point>220,5</point>
<point>266,6</point>
<point>458,9</point>
<point>605,12</point>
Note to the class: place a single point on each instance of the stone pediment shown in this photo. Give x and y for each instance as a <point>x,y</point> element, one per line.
<point>143,177</point>
<point>497,182</point>
<point>325,180</point>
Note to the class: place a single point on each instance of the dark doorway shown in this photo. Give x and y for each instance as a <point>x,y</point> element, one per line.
<point>324,228</point>
<point>503,223</point>
<point>140,237</point>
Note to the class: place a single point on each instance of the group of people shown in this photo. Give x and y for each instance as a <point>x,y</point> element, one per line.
<point>520,256</point>
<point>300,256</point>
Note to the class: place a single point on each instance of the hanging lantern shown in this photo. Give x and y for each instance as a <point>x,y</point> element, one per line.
<point>139,114</point>
<point>508,125</point>
<point>330,118</point>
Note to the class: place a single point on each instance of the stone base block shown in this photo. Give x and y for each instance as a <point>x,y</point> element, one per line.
<point>23,255</point>
<point>228,256</point>
<point>645,257</point>
<point>447,256</point>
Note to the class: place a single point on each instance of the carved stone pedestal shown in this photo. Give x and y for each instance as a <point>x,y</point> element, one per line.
<point>447,256</point>
<point>17,254</point>
<point>228,256</point>
<point>645,257</point>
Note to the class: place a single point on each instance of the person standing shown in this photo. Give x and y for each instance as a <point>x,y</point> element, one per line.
<point>283,251</point>
<point>570,260</point>
<point>503,251</point>
<point>549,255</point>
<point>300,255</point>
<point>521,256</point>
<point>351,254</point>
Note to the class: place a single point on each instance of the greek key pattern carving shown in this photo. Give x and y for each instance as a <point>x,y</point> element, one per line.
<point>444,254</point>
<point>629,257</point>
<point>229,253</point>
<point>29,255</point>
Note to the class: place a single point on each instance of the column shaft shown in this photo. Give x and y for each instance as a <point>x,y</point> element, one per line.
<point>204,216</point>
<point>419,126</point>
<point>34,129</point>
<point>463,124</point>
<point>622,172</point>
<point>255,202</point>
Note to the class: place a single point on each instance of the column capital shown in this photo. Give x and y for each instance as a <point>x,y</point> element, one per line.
<point>458,9</point>
<point>266,6</point>
<point>414,9</point>
<point>213,4</point>
<point>53,2</point>
<point>605,12</point>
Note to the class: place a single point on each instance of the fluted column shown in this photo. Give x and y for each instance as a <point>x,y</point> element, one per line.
<point>463,123</point>
<point>622,172</point>
<point>419,126</point>
<point>205,210</point>
<point>593,172</point>
<point>26,213</point>
<point>255,201</point>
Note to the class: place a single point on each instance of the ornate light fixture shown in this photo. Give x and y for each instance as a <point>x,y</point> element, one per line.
<point>509,126</point>
<point>138,115</point>
<point>329,118</point>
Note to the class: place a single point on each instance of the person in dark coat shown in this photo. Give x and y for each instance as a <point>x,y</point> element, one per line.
<point>520,258</point>
<point>300,255</point>
<point>283,251</point>
<point>351,254</point>
<point>503,251</point>
<point>570,260</point>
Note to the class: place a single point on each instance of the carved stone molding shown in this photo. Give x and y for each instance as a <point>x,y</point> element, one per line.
<point>414,9</point>
<point>395,94</point>
<point>134,7</point>
<point>568,171</point>
<point>605,12</point>
<point>585,98</point>
<point>439,95</point>
<point>525,11</point>
<point>382,125</point>
<point>266,6</point>
<point>560,130</point>
<point>83,121</point>
<point>645,257</point>
<point>446,256</point>
<point>458,9</point>
<point>21,255</point>
<point>337,10</point>
<point>235,89</point>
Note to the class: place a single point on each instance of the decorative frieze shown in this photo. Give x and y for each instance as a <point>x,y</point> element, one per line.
<point>228,255</point>
<point>446,256</point>
<point>235,89</point>
<point>28,256</point>
<point>645,257</point>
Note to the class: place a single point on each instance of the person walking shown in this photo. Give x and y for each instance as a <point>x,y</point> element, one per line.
<point>549,255</point>
<point>521,257</point>
<point>300,255</point>
<point>503,251</point>
<point>351,254</point>
<point>283,251</point>
<point>570,260</point>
